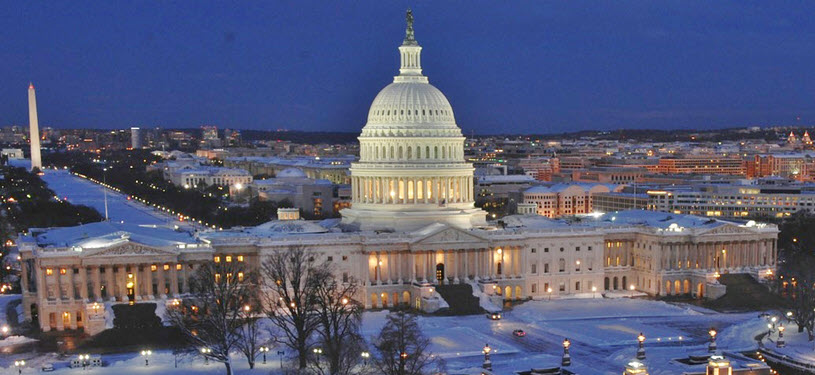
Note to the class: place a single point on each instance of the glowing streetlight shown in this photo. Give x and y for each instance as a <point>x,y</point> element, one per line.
<point>264,350</point>
<point>631,288</point>
<point>146,354</point>
<point>487,365</point>
<point>566,360</point>
<point>365,355</point>
<point>711,348</point>
<point>19,365</point>
<point>205,352</point>
<point>780,343</point>
<point>594,292</point>
<point>641,349</point>
<point>549,293</point>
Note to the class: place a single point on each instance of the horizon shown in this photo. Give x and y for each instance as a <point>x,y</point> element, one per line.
<point>541,68</point>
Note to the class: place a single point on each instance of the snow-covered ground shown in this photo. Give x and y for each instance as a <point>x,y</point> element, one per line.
<point>81,191</point>
<point>602,334</point>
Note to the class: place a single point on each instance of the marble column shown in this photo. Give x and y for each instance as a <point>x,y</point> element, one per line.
<point>147,279</point>
<point>97,284</point>
<point>162,292</point>
<point>83,279</point>
<point>174,280</point>
<point>110,288</point>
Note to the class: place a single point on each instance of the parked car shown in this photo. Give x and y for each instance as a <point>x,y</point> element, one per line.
<point>48,367</point>
<point>519,333</point>
<point>494,316</point>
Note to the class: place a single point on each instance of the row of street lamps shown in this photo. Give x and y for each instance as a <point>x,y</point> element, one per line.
<point>566,359</point>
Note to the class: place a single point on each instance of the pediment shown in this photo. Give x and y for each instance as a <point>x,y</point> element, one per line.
<point>450,235</point>
<point>727,229</point>
<point>126,249</point>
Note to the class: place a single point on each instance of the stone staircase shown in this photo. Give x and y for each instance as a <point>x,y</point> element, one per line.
<point>460,298</point>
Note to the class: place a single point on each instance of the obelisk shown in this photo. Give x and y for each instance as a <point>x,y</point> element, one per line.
<point>34,128</point>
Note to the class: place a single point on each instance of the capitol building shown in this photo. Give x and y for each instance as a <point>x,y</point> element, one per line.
<point>412,236</point>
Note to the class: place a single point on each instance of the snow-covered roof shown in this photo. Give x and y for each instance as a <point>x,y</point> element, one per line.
<point>103,234</point>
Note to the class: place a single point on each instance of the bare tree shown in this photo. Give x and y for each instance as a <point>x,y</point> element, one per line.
<point>401,347</point>
<point>340,317</point>
<point>291,279</point>
<point>249,333</point>
<point>211,318</point>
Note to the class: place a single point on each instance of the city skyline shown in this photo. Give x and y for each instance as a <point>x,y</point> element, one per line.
<point>544,68</point>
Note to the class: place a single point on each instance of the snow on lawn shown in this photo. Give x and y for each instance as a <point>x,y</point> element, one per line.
<point>570,309</point>
<point>81,191</point>
<point>450,336</point>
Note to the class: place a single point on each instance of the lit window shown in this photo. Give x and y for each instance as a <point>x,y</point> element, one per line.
<point>240,258</point>
<point>229,259</point>
<point>166,267</point>
<point>49,271</point>
<point>240,276</point>
<point>63,271</point>
<point>178,267</point>
<point>217,259</point>
<point>228,275</point>
<point>153,267</point>
<point>217,277</point>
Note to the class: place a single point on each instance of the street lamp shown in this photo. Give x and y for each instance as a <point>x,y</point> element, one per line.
<point>549,292</point>
<point>84,359</point>
<point>594,292</point>
<point>641,349</point>
<point>19,365</point>
<point>487,365</point>
<point>205,352</point>
<point>631,288</point>
<point>318,352</point>
<point>365,356</point>
<point>146,354</point>
<point>566,360</point>
<point>5,329</point>
<point>711,348</point>
<point>780,343</point>
<point>264,350</point>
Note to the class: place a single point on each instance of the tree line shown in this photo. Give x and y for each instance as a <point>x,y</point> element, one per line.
<point>300,303</point>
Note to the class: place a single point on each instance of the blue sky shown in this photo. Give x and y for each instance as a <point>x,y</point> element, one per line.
<point>513,67</point>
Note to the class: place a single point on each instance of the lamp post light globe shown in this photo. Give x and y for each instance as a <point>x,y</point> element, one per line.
<point>19,365</point>
<point>641,348</point>
<point>146,354</point>
<point>780,343</point>
<point>594,292</point>
<point>711,348</point>
<point>264,350</point>
<point>487,365</point>
<point>566,360</point>
<point>365,355</point>
<point>205,352</point>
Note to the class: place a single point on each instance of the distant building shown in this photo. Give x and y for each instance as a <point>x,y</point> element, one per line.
<point>314,196</point>
<point>702,165</point>
<point>12,153</point>
<point>609,175</point>
<point>565,199</point>
<point>135,138</point>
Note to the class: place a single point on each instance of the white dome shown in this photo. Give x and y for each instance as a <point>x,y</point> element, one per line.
<point>411,102</point>
<point>291,173</point>
<point>411,170</point>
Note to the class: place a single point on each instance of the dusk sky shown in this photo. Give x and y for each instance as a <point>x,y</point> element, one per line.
<point>510,67</point>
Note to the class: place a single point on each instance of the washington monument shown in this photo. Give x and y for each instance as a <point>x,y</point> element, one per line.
<point>34,127</point>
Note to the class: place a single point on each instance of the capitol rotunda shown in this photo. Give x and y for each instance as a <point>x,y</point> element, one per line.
<point>411,171</point>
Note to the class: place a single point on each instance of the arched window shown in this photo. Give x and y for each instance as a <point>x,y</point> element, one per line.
<point>436,151</point>
<point>410,152</point>
<point>400,153</point>
<point>391,153</point>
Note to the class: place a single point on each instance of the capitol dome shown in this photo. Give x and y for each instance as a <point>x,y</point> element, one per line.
<point>411,171</point>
